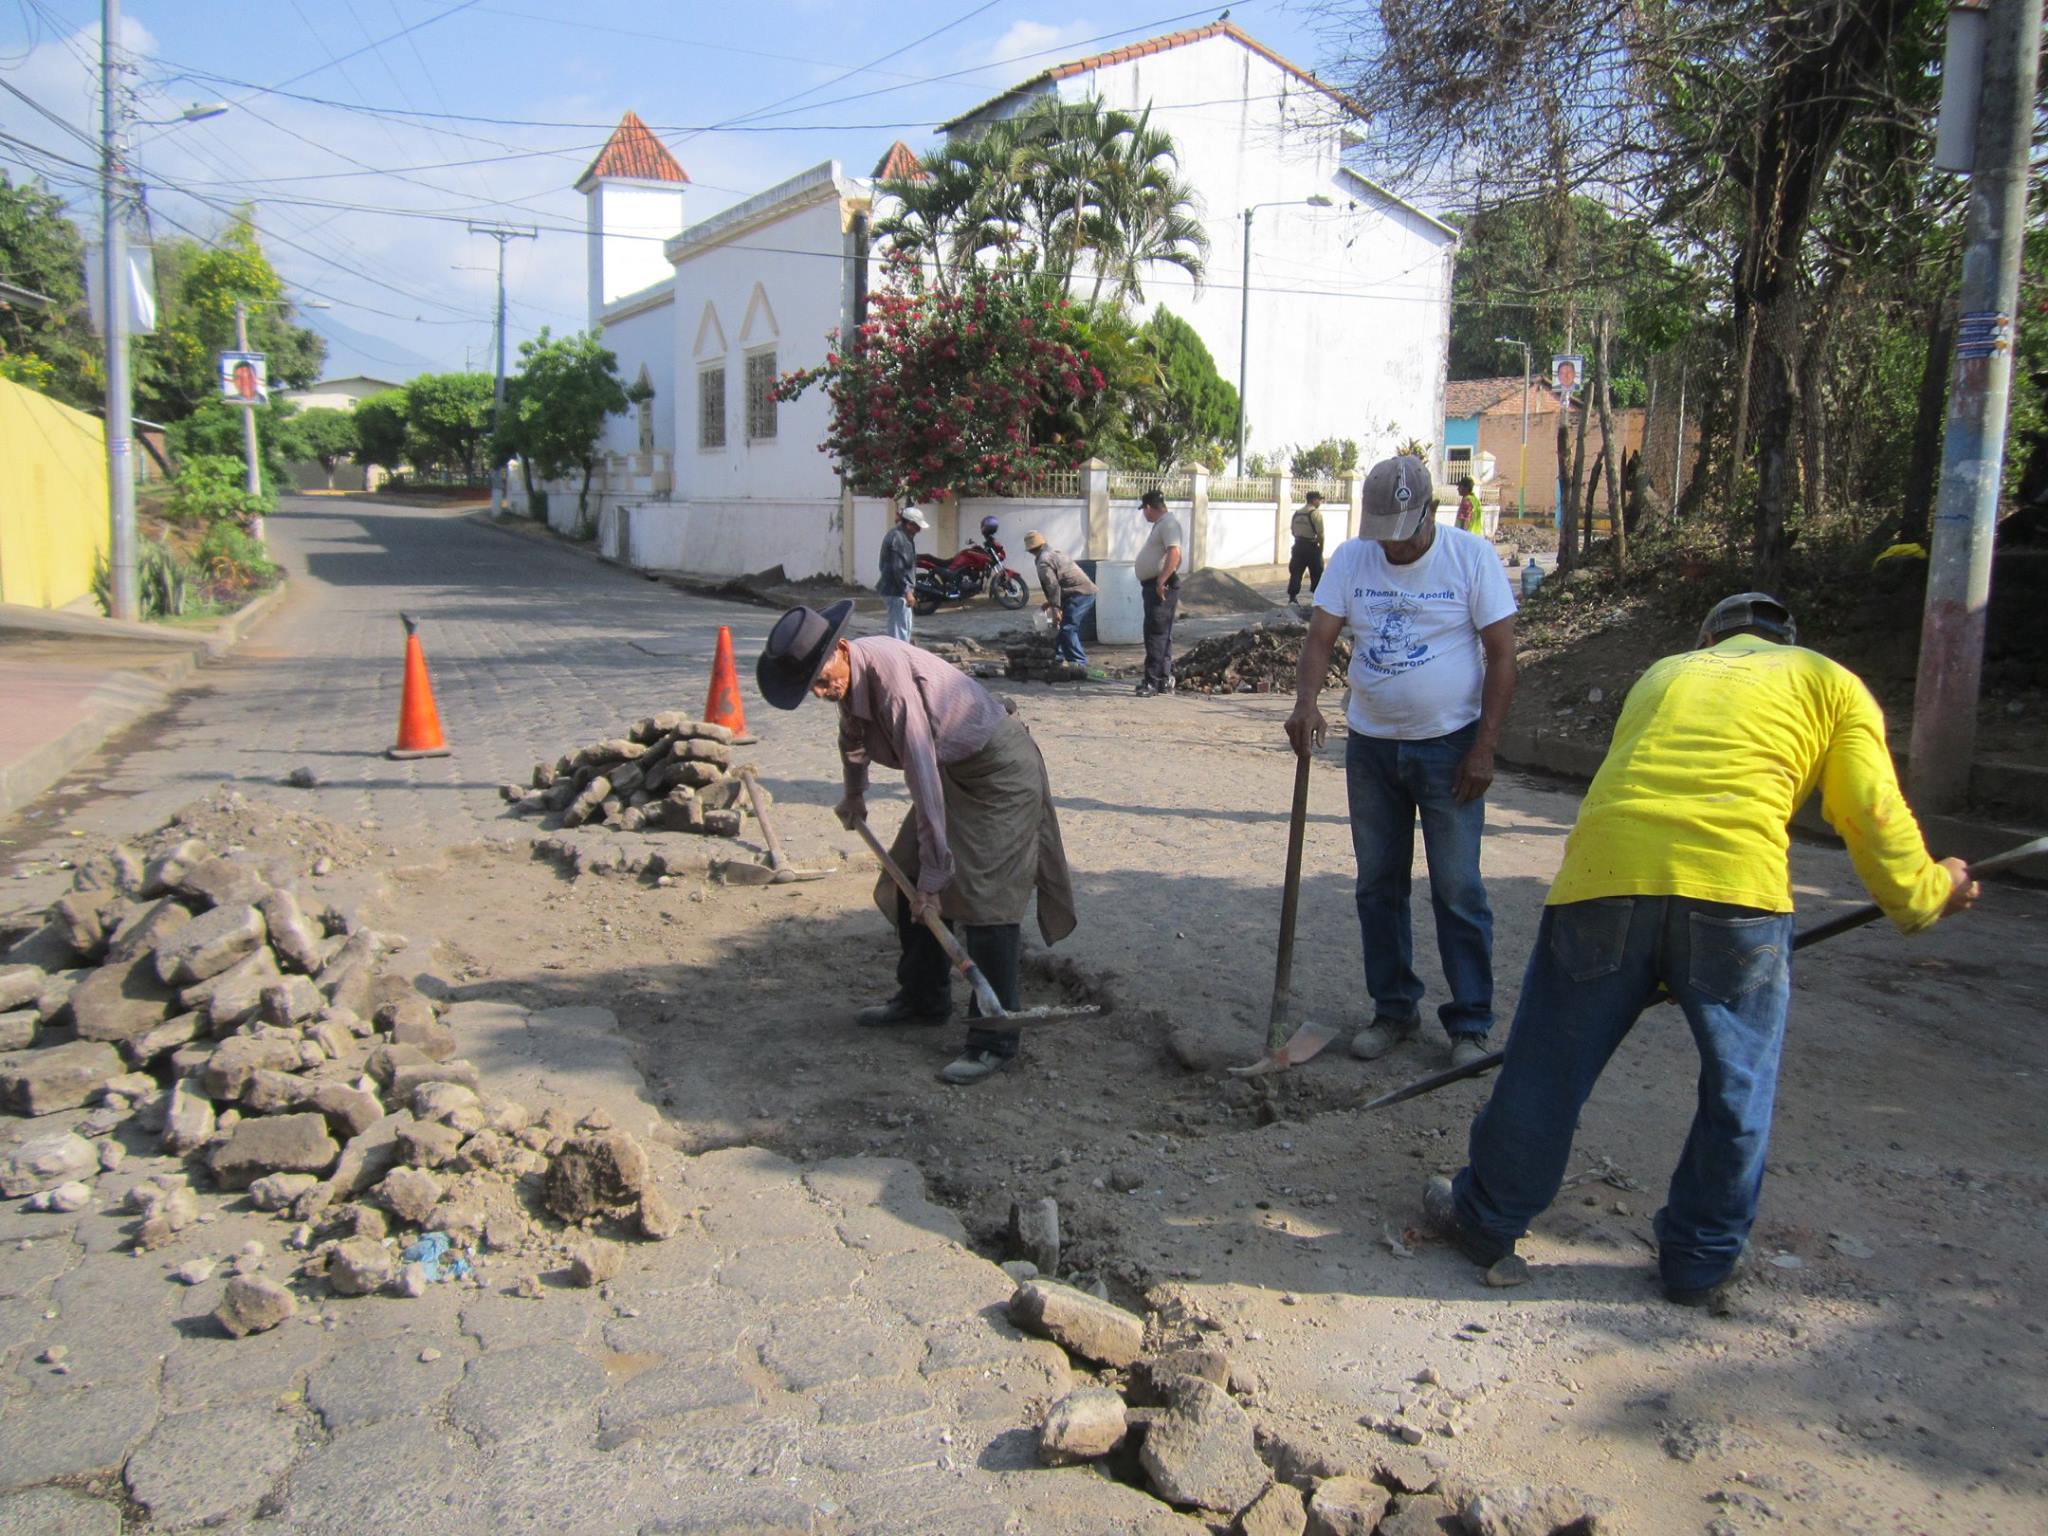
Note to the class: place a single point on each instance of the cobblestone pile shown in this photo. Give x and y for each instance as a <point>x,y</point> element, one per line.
<point>1031,660</point>
<point>188,1003</point>
<point>1261,658</point>
<point>667,773</point>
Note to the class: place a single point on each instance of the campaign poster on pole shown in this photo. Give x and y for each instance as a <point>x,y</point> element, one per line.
<point>243,380</point>
<point>1566,370</point>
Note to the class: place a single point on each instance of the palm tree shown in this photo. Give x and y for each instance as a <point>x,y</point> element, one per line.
<point>1148,214</point>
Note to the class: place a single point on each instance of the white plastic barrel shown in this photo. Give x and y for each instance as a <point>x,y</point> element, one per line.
<point>1119,609</point>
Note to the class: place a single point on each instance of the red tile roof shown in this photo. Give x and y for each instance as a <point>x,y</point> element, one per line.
<point>900,163</point>
<point>632,153</point>
<point>1468,397</point>
<point>1160,45</point>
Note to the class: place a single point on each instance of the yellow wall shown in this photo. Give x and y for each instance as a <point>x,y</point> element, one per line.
<point>53,499</point>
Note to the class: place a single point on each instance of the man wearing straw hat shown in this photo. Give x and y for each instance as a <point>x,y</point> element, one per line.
<point>981,836</point>
<point>1069,597</point>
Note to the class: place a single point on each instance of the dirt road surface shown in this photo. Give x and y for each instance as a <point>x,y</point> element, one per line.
<point>1885,1370</point>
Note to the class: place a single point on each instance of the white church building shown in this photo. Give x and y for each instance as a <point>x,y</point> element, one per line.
<point>1347,315</point>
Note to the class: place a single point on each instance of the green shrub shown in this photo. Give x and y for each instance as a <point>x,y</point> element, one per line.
<point>232,562</point>
<point>209,488</point>
<point>162,576</point>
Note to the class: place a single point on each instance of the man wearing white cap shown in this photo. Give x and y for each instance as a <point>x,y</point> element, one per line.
<point>899,567</point>
<point>1432,673</point>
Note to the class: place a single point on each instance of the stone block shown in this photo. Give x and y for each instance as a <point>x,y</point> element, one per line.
<point>1035,1233</point>
<point>410,1194</point>
<point>1198,1451</point>
<point>188,1118</point>
<point>428,1144</point>
<point>411,1021</point>
<point>234,1063</point>
<point>254,1304</point>
<point>1082,1426</point>
<point>1420,1515</point>
<point>293,935</point>
<point>360,1266</point>
<point>42,1082</point>
<point>1346,1506</point>
<point>88,919</point>
<point>235,996</point>
<point>117,1001</point>
<point>1279,1511</point>
<point>290,1001</point>
<point>277,1144</point>
<point>270,1092</point>
<point>1080,1323</point>
<point>210,944</point>
<point>18,1030</point>
<point>408,1076</point>
<point>1523,1510</point>
<point>44,1162</point>
<point>146,927</point>
<point>180,1029</point>
<point>20,986</point>
<point>276,1191</point>
<point>350,1111</point>
<point>596,1173</point>
<point>222,882</point>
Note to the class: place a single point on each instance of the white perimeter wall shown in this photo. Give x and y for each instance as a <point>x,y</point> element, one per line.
<point>1350,307</point>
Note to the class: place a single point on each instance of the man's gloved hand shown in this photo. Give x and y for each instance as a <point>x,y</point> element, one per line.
<point>851,811</point>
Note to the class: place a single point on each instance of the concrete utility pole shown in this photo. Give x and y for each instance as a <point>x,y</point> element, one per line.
<point>252,472</point>
<point>123,596</point>
<point>500,233</point>
<point>2008,33</point>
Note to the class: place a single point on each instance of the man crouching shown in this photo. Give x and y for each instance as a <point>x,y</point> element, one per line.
<point>981,835</point>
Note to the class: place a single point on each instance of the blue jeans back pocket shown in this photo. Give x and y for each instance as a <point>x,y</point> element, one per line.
<point>1587,938</point>
<point>1732,956</point>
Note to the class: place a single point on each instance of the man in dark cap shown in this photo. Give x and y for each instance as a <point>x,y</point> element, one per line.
<point>981,835</point>
<point>1675,882</point>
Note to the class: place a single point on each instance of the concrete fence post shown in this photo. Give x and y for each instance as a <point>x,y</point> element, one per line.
<point>1095,495</point>
<point>1198,520</point>
<point>846,530</point>
<point>1283,514</point>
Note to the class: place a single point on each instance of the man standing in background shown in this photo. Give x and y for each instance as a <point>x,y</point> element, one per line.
<point>1307,555</point>
<point>899,566</point>
<point>1158,571</point>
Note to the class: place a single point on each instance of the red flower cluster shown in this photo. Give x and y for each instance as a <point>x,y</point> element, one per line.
<point>940,392</point>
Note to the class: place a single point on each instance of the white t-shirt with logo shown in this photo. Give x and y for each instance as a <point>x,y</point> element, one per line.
<point>1416,660</point>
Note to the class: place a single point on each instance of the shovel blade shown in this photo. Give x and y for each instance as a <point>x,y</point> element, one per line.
<point>738,872</point>
<point>1304,1044</point>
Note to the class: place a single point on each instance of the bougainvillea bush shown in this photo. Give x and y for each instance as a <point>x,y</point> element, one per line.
<point>970,393</point>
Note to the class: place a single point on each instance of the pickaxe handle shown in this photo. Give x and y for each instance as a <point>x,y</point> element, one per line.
<point>1856,917</point>
<point>984,995</point>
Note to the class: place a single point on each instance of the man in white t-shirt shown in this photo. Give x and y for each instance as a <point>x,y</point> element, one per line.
<point>1158,571</point>
<point>1432,671</point>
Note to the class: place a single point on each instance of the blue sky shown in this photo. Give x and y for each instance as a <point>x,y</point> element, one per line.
<point>367,208</point>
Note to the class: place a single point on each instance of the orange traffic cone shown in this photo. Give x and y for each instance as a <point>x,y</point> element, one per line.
<point>419,723</point>
<point>723,706</point>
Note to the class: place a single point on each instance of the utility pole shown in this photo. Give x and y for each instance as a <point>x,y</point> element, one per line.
<point>500,233</point>
<point>252,472</point>
<point>123,594</point>
<point>1522,483</point>
<point>1987,131</point>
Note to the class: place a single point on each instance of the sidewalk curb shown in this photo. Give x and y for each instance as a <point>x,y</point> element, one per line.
<point>1947,836</point>
<point>546,538</point>
<point>121,700</point>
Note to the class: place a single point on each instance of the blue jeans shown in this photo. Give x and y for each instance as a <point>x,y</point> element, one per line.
<point>1066,644</point>
<point>1596,966</point>
<point>899,619</point>
<point>1389,783</point>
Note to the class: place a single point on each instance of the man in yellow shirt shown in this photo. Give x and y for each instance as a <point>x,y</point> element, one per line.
<point>1675,879</point>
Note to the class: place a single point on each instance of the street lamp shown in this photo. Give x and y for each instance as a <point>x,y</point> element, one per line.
<point>1522,481</point>
<point>198,112</point>
<point>123,593</point>
<point>1244,316</point>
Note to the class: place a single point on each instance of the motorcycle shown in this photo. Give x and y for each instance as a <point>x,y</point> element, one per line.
<point>935,583</point>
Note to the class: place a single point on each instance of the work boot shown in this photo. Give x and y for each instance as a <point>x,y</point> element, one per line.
<point>972,1066</point>
<point>1382,1035</point>
<point>1440,1215</point>
<point>898,1010</point>
<point>1718,1299</point>
<point>1466,1049</point>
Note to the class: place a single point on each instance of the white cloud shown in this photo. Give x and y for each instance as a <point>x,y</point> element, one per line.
<point>1034,42</point>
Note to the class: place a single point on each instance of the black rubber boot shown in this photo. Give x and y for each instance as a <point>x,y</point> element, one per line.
<point>924,977</point>
<point>997,949</point>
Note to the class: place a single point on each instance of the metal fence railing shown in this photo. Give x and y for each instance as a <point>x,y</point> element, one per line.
<point>1258,488</point>
<point>1054,485</point>
<point>1332,490</point>
<point>1129,484</point>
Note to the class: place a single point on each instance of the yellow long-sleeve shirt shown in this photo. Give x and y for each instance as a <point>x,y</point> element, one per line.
<point>1714,751</point>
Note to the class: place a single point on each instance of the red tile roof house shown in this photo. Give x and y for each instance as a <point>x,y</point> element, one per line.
<point>1347,308</point>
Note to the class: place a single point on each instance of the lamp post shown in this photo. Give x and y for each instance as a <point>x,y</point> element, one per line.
<point>1522,481</point>
<point>1244,315</point>
<point>123,595</point>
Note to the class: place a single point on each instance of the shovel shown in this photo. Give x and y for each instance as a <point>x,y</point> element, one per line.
<point>1855,917</point>
<point>778,870</point>
<point>1284,1050</point>
<point>985,997</point>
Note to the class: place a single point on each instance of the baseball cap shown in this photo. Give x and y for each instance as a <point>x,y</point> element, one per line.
<point>1398,498</point>
<point>913,516</point>
<point>1750,610</point>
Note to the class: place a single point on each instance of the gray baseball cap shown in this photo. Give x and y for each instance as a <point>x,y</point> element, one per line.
<point>1398,499</point>
<point>1750,610</point>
